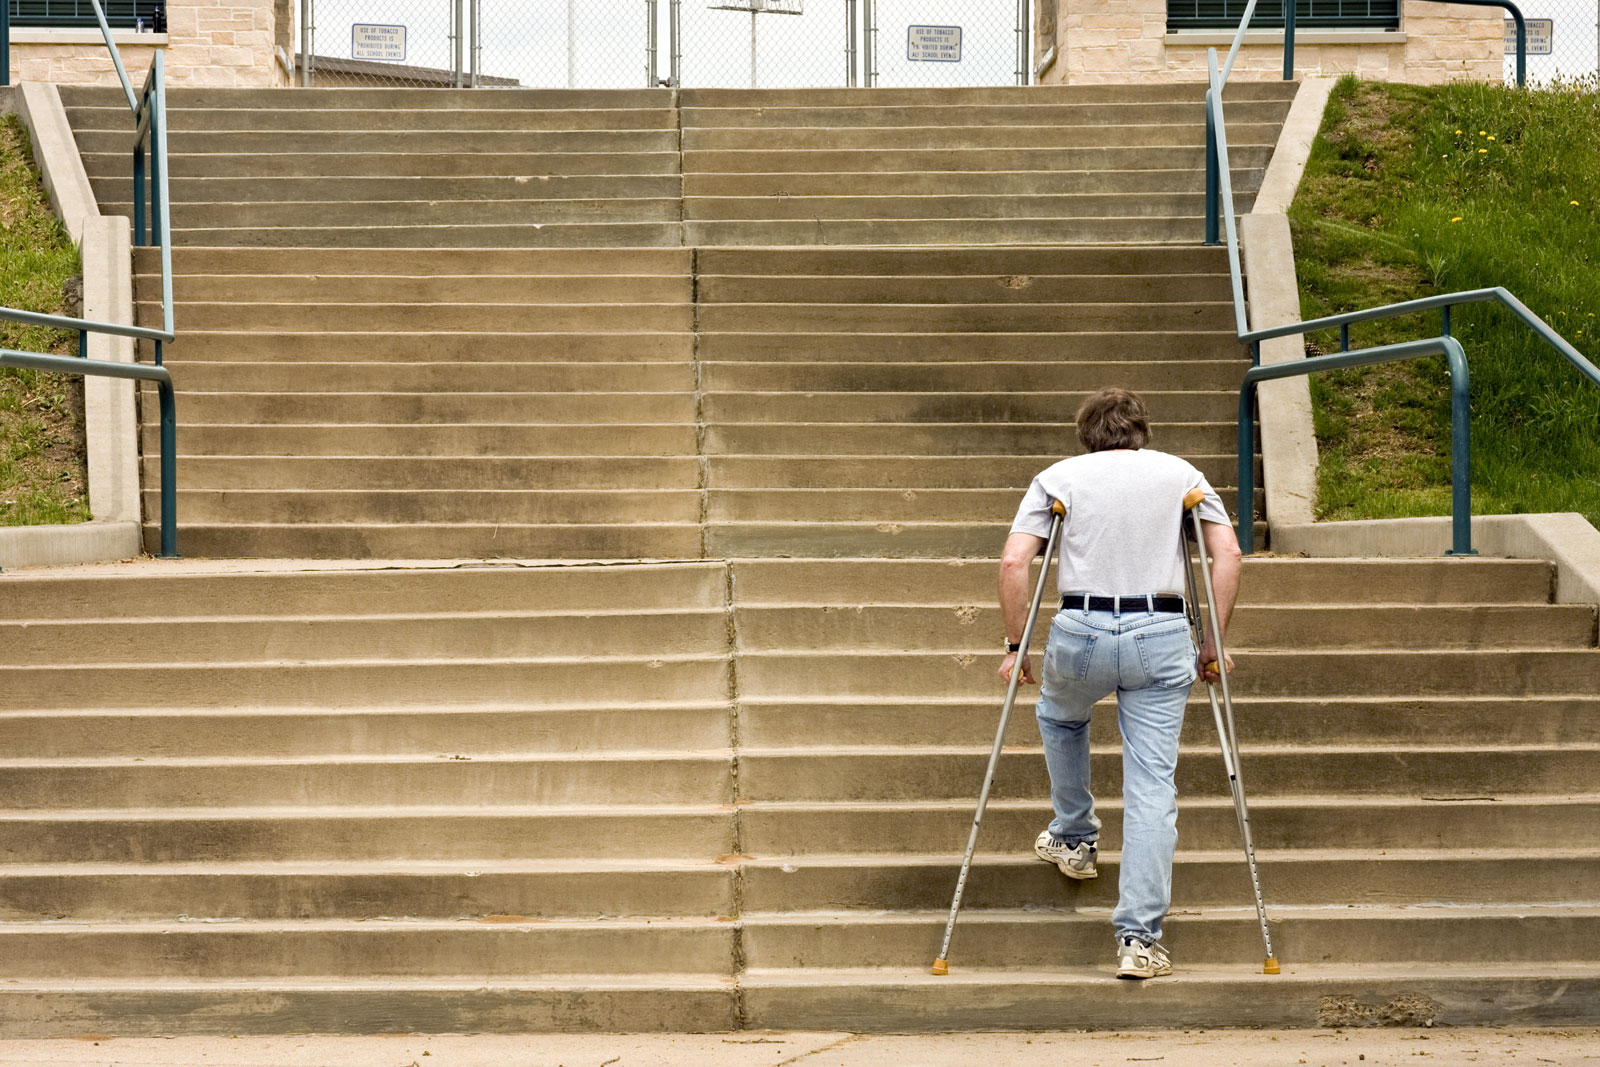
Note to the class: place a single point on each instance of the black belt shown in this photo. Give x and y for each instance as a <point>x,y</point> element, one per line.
<point>1142,602</point>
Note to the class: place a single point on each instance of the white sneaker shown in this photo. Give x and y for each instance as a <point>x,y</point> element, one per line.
<point>1076,862</point>
<point>1135,959</point>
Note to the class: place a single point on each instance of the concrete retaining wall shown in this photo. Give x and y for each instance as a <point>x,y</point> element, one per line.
<point>110,416</point>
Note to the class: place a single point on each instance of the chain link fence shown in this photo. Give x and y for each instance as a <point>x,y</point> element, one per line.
<point>1563,41</point>
<point>613,44</point>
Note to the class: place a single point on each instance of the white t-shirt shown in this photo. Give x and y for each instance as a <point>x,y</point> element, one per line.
<point>1122,529</point>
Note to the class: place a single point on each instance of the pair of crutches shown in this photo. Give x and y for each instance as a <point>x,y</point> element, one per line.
<point>1225,730</point>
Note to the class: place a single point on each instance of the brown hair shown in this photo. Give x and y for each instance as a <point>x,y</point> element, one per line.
<point>1113,418</point>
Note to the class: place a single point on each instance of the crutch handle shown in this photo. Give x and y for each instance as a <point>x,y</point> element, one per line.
<point>1193,497</point>
<point>1058,508</point>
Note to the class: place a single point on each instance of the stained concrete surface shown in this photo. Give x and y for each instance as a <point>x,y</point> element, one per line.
<point>1221,1048</point>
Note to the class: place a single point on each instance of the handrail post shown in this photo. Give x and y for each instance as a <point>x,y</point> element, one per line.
<point>5,43</point>
<point>1444,320</point>
<point>1288,40</point>
<point>1212,190</point>
<point>1247,468</point>
<point>169,471</point>
<point>138,192</point>
<point>1522,42</point>
<point>1460,451</point>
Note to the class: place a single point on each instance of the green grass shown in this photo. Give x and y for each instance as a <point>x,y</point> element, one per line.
<point>1412,191</point>
<point>42,470</point>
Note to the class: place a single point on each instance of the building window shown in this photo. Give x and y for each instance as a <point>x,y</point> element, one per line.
<point>1308,14</point>
<point>120,14</point>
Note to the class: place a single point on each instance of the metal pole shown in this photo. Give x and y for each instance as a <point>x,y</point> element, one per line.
<point>169,471</point>
<point>5,43</point>
<point>1288,40</point>
<point>850,43</point>
<point>869,42</point>
<point>651,38</point>
<point>674,41</point>
<point>1213,189</point>
<point>572,44</point>
<point>474,46</point>
<point>752,48</point>
<point>305,43</point>
<point>1022,44</point>
<point>461,43</point>
<point>1460,451</point>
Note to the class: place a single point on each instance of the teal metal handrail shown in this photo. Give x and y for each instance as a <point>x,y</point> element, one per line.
<point>150,129</point>
<point>1219,200</point>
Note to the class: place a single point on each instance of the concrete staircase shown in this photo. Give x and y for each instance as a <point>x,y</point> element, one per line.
<point>699,752</point>
<point>711,795</point>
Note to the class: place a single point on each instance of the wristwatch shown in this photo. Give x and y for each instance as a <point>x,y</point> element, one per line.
<point>1013,646</point>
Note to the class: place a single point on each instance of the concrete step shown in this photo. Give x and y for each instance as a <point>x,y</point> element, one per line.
<point>873,538</point>
<point>1554,672</point>
<point>311,639</point>
<point>602,265</point>
<point>935,155</point>
<point>1266,580</point>
<point>587,889</point>
<point>985,317</point>
<point>366,950</point>
<point>652,777</point>
<point>373,473</point>
<point>419,835</point>
<point>344,891</point>
<point>796,722</point>
<point>543,541</point>
<point>271,100</point>
<point>281,212</point>
<point>905,472</point>
<point>318,160</point>
<point>1019,113</point>
<point>502,408</point>
<point>114,189</point>
<point>461,346</point>
<point>860,847</point>
<point>426,117</point>
<point>889,204</point>
<point>1062,347</point>
<point>901,773</point>
<point>1199,996</point>
<point>1138,92</point>
<point>948,438</point>
<point>1225,936</point>
<point>997,263</point>
<point>371,234</point>
<point>543,290</point>
<point>1001,289</point>
<point>430,506</point>
<point>905,407</point>
<point>300,589</point>
<point>431,316</point>
<point>363,682</point>
<point>941,230</point>
<point>956,182</point>
<point>911,506</point>
<point>437,441</point>
<point>192,145</point>
<point>1254,626</point>
<point>943,137</point>
<point>573,380</point>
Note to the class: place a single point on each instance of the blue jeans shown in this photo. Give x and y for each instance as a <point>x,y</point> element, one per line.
<point>1148,659</point>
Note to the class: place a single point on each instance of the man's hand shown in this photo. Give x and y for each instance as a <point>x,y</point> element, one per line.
<point>1208,658</point>
<point>1008,664</point>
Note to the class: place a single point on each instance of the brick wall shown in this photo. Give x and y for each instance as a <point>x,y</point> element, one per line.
<point>1124,40</point>
<point>208,42</point>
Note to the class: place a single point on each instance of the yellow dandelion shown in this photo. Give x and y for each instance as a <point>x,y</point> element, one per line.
<point>1456,219</point>
<point>1483,133</point>
<point>1483,151</point>
<point>1574,203</point>
<point>1458,131</point>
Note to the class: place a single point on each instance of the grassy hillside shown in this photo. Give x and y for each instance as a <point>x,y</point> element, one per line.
<point>1412,191</point>
<point>42,475</point>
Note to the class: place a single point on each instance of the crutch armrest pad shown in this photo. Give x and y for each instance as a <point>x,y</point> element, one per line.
<point>1193,497</point>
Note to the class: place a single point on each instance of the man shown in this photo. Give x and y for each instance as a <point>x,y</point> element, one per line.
<point>1121,628</point>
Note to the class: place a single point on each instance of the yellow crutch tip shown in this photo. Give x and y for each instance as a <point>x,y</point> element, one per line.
<point>941,967</point>
<point>1270,966</point>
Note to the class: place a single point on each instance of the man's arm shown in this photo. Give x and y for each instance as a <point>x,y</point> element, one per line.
<point>1226,563</point>
<point>1015,599</point>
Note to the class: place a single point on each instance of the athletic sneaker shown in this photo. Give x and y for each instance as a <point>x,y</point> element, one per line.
<point>1135,959</point>
<point>1075,862</point>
